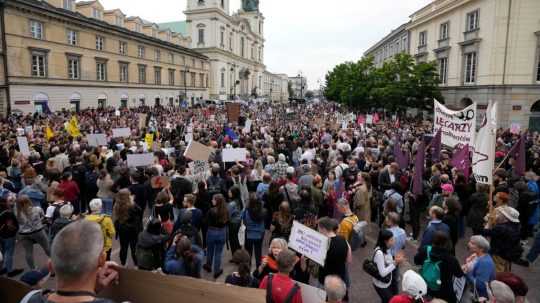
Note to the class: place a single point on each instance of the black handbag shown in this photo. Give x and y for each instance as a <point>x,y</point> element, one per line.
<point>371,269</point>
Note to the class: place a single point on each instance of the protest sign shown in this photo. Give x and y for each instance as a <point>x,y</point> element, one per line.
<point>311,294</point>
<point>12,291</point>
<point>234,154</point>
<point>20,131</point>
<point>140,160</point>
<point>121,132</point>
<point>96,140</point>
<point>142,286</point>
<point>149,139</point>
<point>247,128</point>
<point>199,169</point>
<point>142,121</point>
<point>309,243</point>
<point>233,111</point>
<point>117,113</point>
<point>23,146</point>
<point>458,128</point>
<point>515,128</point>
<point>484,148</point>
<point>369,119</point>
<point>197,151</point>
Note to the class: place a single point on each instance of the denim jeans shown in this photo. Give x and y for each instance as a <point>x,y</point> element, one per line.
<point>535,249</point>
<point>107,206</point>
<point>255,245</point>
<point>8,250</point>
<point>215,239</point>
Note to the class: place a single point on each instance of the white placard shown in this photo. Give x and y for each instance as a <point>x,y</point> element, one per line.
<point>458,128</point>
<point>96,140</point>
<point>117,113</point>
<point>20,131</point>
<point>29,130</point>
<point>234,154</point>
<point>121,132</point>
<point>168,151</point>
<point>140,160</point>
<point>312,294</point>
<point>199,169</point>
<point>247,128</point>
<point>308,242</point>
<point>369,119</point>
<point>23,146</point>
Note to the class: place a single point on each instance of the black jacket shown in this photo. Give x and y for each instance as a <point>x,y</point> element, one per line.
<point>505,240</point>
<point>179,188</point>
<point>449,267</point>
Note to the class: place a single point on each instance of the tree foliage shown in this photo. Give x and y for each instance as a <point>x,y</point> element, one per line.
<point>397,85</point>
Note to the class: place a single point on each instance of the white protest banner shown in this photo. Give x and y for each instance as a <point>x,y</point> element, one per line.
<point>140,160</point>
<point>23,146</point>
<point>457,127</point>
<point>484,148</point>
<point>309,243</point>
<point>234,154</point>
<point>121,132</point>
<point>311,294</point>
<point>96,140</point>
<point>369,119</point>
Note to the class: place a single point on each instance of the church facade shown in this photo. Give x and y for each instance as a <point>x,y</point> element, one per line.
<point>234,44</point>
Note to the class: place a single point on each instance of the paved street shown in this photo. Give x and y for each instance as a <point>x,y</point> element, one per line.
<point>361,282</point>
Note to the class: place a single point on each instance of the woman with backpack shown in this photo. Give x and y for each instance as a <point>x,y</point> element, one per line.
<point>386,264</point>
<point>253,218</point>
<point>31,229</point>
<point>127,221</point>
<point>151,246</point>
<point>439,267</point>
<point>105,223</point>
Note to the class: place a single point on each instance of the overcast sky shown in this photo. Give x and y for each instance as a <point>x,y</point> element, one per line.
<point>311,36</point>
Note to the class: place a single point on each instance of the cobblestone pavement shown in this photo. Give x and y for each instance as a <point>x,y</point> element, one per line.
<point>361,290</point>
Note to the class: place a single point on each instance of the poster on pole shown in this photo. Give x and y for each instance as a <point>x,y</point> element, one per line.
<point>458,128</point>
<point>23,146</point>
<point>96,140</point>
<point>140,160</point>
<point>234,154</point>
<point>121,132</point>
<point>484,148</point>
<point>308,242</point>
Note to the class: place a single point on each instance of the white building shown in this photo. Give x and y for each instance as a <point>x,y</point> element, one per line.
<point>275,87</point>
<point>234,43</point>
<point>396,42</point>
<point>299,86</point>
<point>485,50</point>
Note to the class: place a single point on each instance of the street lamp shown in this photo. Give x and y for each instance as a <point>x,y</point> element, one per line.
<point>271,89</point>
<point>301,85</point>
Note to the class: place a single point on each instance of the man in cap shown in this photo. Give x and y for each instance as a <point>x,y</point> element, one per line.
<point>505,238</point>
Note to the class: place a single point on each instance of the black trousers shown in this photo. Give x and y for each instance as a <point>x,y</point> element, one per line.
<point>233,237</point>
<point>128,240</point>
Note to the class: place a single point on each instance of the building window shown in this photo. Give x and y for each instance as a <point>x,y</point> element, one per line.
<point>231,42</point>
<point>122,47</point>
<point>470,68</point>
<point>101,71</point>
<point>242,46</point>
<point>36,29</point>
<point>201,80</point>
<point>100,42</point>
<point>422,38</point>
<point>444,31</point>
<point>171,77</point>
<point>72,37</point>
<point>140,51</point>
<point>124,72</point>
<point>538,70</point>
<point>222,79</point>
<point>443,70</point>
<point>200,2</point>
<point>96,13</point>
<point>142,74</point>
<point>222,39</point>
<point>192,80</point>
<point>154,33</point>
<point>157,75</point>
<point>74,68</point>
<point>222,3</point>
<point>171,58</point>
<point>158,55</point>
<point>473,20</point>
<point>201,36</point>
<point>39,64</point>
<point>68,4</point>
<point>119,21</point>
<point>138,27</point>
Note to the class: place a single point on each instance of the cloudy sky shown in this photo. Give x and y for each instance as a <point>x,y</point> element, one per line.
<point>310,36</point>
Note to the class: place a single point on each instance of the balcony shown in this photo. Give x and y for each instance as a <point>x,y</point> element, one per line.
<point>443,43</point>
<point>471,35</point>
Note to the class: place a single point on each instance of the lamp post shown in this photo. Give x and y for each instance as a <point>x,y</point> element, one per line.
<point>233,84</point>
<point>301,85</point>
<point>271,90</point>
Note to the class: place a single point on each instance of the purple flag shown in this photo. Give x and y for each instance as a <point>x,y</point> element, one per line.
<point>402,159</point>
<point>519,156</point>
<point>436,147</point>
<point>418,169</point>
<point>462,161</point>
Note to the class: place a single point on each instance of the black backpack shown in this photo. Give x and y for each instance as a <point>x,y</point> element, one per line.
<point>289,297</point>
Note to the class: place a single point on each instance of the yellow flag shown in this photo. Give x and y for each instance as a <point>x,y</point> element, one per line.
<point>49,134</point>
<point>73,127</point>
<point>149,139</point>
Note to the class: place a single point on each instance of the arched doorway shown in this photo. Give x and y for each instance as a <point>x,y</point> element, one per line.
<point>465,102</point>
<point>41,101</point>
<point>534,120</point>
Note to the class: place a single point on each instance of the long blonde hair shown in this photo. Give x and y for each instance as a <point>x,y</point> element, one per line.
<point>258,167</point>
<point>122,205</point>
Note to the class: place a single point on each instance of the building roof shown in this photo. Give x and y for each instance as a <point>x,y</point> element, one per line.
<point>391,35</point>
<point>175,26</point>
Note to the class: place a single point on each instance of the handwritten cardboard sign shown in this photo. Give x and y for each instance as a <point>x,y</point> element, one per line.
<point>197,151</point>
<point>309,243</point>
<point>23,146</point>
<point>233,111</point>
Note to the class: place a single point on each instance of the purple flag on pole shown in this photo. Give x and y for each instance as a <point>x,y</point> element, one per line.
<point>436,147</point>
<point>519,156</point>
<point>418,169</point>
<point>402,159</point>
<point>462,161</point>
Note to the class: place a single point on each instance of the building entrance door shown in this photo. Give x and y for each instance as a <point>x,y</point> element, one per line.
<point>534,120</point>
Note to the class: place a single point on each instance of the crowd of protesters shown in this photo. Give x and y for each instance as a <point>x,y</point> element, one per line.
<point>310,163</point>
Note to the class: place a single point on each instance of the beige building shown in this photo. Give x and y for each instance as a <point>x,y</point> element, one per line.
<point>66,54</point>
<point>299,86</point>
<point>275,87</point>
<point>397,42</point>
<point>233,42</point>
<point>485,50</point>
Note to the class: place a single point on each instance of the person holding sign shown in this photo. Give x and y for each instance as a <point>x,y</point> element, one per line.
<point>339,253</point>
